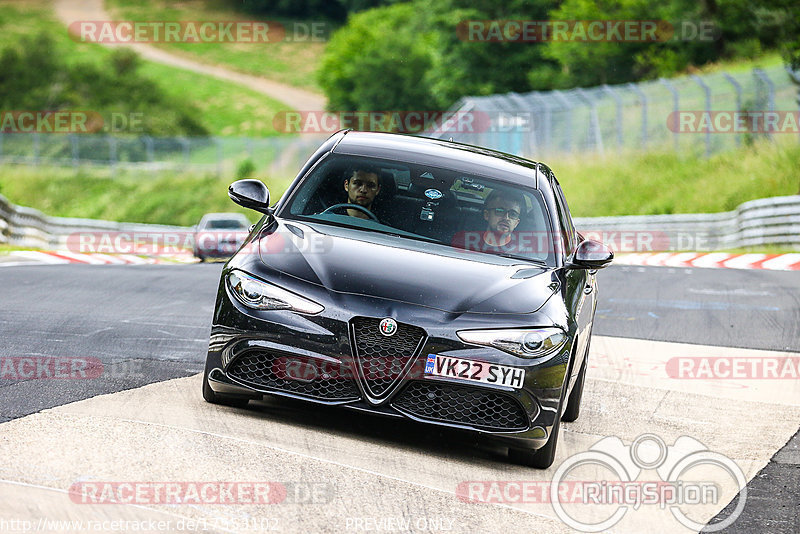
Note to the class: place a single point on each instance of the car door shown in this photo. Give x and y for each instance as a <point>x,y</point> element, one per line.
<point>581,286</point>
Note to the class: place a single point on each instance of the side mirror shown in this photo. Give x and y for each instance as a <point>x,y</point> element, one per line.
<point>590,255</point>
<point>251,194</point>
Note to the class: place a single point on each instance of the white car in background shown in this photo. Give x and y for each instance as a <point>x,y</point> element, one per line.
<point>219,235</point>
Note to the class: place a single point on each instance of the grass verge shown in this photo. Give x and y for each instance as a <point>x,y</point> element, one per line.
<point>167,198</point>
<point>669,182</point>
<point>226,109</point>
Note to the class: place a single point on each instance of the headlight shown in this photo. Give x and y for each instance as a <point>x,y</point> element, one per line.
<point>259,295</point>
<point>527,343</point>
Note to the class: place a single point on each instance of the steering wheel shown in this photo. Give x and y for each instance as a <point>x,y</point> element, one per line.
<point>362,209</point>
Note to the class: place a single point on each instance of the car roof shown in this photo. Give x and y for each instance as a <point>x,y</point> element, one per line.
<point>438,153</point>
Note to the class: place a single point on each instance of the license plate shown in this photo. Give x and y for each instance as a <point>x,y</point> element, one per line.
<point>487,373</point>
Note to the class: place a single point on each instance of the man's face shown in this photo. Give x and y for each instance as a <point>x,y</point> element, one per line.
<point>502,216</point>
<point>362,188</point>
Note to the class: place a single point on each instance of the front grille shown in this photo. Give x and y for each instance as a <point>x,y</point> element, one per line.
<point>294,374</point>
<point>383,358</point>
<point>476,407</point>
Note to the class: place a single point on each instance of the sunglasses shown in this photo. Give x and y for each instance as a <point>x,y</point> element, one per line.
<point>502,212</point>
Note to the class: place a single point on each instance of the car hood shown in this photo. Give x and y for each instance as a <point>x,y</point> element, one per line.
<point>389,267</point>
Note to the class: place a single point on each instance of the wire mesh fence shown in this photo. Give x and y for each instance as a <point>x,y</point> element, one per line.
<point>214,155</point>
<point>694,114</point>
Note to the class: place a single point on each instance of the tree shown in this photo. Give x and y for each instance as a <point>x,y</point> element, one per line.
<point>379,62</point>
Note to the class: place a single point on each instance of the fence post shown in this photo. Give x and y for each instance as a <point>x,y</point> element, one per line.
<point>112,151</point>
<point>794,75</point>
<point>594,120</point>
<point>36,148</point>
<point>518,118</point>
<point>618,104</point>
<point>185,144</point>
<point>218,142</point>
<point>707,90</point>
<point>676,106</point>
<point>568,107</point>
<point>148,142</point>
<point>73,142</point>
<point>635,88</point>
<point>738,88</point>
<point>547,127</point>
<point>762,76</point>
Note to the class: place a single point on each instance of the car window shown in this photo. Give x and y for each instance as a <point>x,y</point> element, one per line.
<point>225,224</point>
<point>565,219</point>
<point>434,205</point>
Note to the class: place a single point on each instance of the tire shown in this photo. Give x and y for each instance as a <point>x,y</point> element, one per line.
<point>538,458</point>
<point>573,409</point>
<point>215,398</point>
<point>544,457</point>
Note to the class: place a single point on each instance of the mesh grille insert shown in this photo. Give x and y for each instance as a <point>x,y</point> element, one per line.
<point>294,374</point>
<point>477,407</point>
<point>382,358</point>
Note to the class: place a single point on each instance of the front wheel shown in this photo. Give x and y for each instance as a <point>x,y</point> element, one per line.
<point>538,458</point>
<point>215,398</point>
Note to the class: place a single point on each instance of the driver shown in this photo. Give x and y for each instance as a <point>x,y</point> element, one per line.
<point>362,187</point>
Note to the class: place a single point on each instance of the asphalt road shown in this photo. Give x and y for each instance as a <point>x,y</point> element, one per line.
<point>147,324</point>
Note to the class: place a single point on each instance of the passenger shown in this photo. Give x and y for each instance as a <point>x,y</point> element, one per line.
<point>362,187</point>
<point>502,211</point>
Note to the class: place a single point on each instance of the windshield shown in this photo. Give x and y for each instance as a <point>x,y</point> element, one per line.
<point>224,224</point>
<point>428,204</point>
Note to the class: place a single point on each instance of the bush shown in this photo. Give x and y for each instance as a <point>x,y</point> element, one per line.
<point>379,61</point>
<point>245,169</point>
<point>35,76</point>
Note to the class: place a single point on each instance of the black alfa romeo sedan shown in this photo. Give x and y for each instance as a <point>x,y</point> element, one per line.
<point>413,278</point>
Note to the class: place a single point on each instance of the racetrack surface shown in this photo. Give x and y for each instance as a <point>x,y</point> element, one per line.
<point>150,324</point>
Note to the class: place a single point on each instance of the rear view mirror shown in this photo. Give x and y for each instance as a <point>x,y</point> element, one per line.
<point>251,194</point>
<point>591,255</point>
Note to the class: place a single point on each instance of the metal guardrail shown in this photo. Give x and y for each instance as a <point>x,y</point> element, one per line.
<point>28,227</point>
<point>766,221</point>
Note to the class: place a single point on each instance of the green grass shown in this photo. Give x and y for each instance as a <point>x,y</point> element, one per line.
<point>738,65</point>
<point>226,109</point>
<point>293,63</point>
<point>5,249</point>
<point>168,198</point>
<point>656,183</point>
<point>637,184</point>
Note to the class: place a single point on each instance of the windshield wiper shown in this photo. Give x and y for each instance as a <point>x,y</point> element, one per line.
<point>528,260</point>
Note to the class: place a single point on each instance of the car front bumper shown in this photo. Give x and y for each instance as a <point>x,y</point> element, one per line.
<point>251,353</point>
